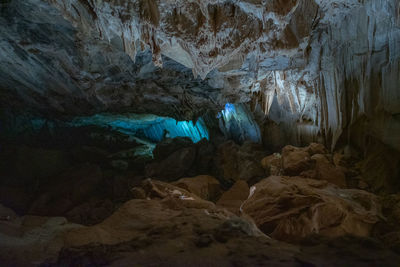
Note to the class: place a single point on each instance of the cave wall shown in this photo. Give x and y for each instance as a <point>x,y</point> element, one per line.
<point>318,69</point>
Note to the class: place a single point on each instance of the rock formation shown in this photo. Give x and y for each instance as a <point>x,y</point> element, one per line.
<point>199,132</point>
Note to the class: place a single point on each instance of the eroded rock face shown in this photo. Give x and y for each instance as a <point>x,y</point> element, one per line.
<point>204,186</point>
<point>235,162</point>
<point>308,162</point>
<point>315,67</point>
<point>292,208</point>
<point>233,199</point>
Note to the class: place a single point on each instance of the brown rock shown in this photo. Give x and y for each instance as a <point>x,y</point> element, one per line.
<point>295,160</point>
<point>236,162</point>
<point>138,193</point>
<point>173,195</point>
<point>315,148</point>
<point>272,164</point>
<point>338,159</point>
<point>325,170</point>
<point>91,212</point>
<point>234,197</point>
<point>291,208</point>
<point>204,186</point>
<point>40,240</point>
<point>174,166</point>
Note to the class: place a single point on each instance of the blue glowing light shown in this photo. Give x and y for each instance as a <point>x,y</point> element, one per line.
<point>150,127</point>
<point>230,107</point>
<point>237,123</point>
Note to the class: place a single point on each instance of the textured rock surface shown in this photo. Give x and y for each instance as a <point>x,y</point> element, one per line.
<point>174,226</point>
<point>291,208</point>
<point>204,186</point>
<point>236,162</point>
<point>318,67</point>
<point>308,162</point>
<point>233,199</point>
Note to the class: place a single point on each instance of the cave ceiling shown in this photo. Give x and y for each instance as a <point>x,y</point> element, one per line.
<point>323,63</point>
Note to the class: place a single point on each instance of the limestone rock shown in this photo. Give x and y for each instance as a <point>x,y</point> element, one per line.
<point>295,160</point>
<point>273,164</point>
<point>236,162</point>
<point>91,212</point>
<point>170,145</point>
<point>325,170</point>
<point>40,240</point>
<point>316,148</point>
<point>291,208</point>
<point>234,197</point>
<point>204,186</point>
<point>174,166</point>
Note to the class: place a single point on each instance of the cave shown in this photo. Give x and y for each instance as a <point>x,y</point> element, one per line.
<point>200,133</point>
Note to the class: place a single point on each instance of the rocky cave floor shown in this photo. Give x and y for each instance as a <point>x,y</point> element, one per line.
<point>94,202</point>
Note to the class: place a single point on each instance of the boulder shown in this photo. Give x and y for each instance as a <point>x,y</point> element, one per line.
<point>316,148</point>
<point>325,170</point>
<point>170,145</point>
<point>234,197</point>
<point>295,160</point>
<point>91,212</point>
<point>236,162</point>
<point>272,164</point>
<point>204,186</point>
<point>174,195</point>
<point>175,166</point>
<point>292,208</point>
<point>40,240</point>
<point>204,157</point>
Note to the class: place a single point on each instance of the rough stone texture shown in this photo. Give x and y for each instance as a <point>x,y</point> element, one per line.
<point>204,186</point>
<point>325,170</point>
<point>34,240</point>
<point>295,160</point>
<point>174,166</point>
<point>272,164</point>
<point>174,227</point>
<point>291,208</point>
<point>233,199</point>
<point>315,67</point>
<point>307,162</point>
<point>236,162</point>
